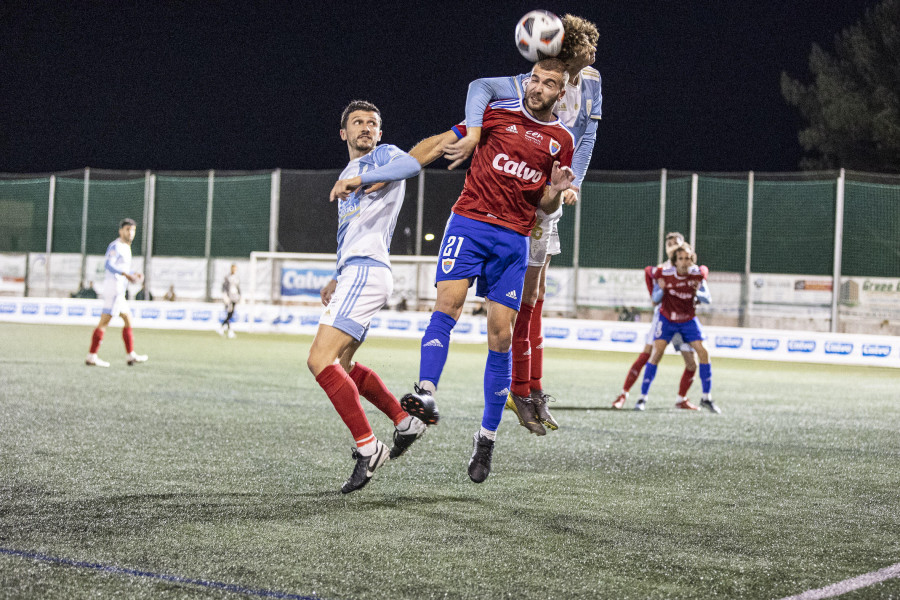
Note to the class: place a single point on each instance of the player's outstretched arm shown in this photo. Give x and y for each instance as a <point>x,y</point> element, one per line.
<point>460,150</point>
<point>400,166</point>
<point>560,180</point>
<point>432,148</point>
<point>481,93</point>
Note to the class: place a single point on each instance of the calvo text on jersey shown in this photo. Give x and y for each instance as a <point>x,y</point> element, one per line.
<point>504,164</point>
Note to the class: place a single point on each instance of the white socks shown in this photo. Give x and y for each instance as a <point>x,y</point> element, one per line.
<point>487,433</point>
<point>411,425</point>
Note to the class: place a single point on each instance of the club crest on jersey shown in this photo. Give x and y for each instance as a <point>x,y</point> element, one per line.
<point>554,147</point>
<point>447,264</point>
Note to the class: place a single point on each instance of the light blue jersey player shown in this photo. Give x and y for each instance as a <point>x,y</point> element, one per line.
<point>362,285</point>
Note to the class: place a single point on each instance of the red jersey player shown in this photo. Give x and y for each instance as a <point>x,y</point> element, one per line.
<point>678,286</point>
<point>522,162</point>
<point>672,240</point>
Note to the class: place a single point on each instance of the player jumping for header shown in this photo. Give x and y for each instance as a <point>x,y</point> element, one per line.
<point>521,163</point>
<point>578,109</point>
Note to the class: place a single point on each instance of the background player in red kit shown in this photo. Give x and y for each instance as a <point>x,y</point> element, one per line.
<point>678,287</point>
<point>672,241</point>
<point>522,162</point>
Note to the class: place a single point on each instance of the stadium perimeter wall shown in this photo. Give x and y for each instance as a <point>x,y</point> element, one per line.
<point>730,342</point>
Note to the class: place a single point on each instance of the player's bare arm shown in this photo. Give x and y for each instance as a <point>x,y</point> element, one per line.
<point>560,180</point>
<point>460,150</point>
<point>344,188</point>
<point>432,148</point>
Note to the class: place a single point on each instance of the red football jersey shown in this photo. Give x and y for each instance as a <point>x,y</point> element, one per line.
<point>678,297</point>
<point>511,166</point>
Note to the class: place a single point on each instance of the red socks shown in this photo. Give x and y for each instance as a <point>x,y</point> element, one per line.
<point>522,352</point>
<point>536,338</point>
<point>345,397</point>
<point>372,388</point>
<point>687,378</point>
<point>96,339</point>
<point>128,337</point>
<point>635,371</point>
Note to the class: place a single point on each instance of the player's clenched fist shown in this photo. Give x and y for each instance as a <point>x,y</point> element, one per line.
<point>344,188</point>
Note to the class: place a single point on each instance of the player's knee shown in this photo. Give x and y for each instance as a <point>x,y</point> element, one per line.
<point>689,361</point>
<point>316,362</point>
<point>499,337</point>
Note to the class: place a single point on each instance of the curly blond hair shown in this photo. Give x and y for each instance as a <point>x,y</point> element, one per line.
<point>578,32</point>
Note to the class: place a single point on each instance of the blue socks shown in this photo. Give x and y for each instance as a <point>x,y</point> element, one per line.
<point>497,377</point>
<point>435,347</point>
<point>650,375</point>
<point>706,377</point>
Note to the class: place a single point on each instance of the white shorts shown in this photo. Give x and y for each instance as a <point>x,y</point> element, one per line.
<point>677,341</point>
<point>114,302</point>
<point>544,238</point>
<point>362,290</point>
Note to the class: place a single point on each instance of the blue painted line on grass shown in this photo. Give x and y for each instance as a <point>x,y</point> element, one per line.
<point>218,585</point>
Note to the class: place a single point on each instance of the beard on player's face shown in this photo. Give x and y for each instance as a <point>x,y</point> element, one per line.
<point>538,103</point>
<point>363,142</point>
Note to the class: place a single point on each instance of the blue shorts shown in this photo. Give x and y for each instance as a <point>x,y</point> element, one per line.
<point>496,256</point>
<point>690,331</point>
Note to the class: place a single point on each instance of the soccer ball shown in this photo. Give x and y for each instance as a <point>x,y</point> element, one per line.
<point>539,35</point>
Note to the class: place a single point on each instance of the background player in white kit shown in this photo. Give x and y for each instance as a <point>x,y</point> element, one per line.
<point>231,295</point>
<point>579,109</point>
<point>118,276</point>
<point>362,284</point>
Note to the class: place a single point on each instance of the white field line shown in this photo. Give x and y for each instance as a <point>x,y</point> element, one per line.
<point>848,585</point>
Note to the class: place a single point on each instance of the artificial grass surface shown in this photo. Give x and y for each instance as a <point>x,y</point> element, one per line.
<point>220,461</point>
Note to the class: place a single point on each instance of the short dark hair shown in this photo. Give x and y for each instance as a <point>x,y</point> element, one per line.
<point>358,105</point>
<point>126,221</point>
<point>554,64</point>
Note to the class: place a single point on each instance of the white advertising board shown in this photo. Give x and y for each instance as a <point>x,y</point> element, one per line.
<point>780,345</point>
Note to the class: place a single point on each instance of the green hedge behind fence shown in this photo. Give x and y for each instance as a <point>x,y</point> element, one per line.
<point>793,221</point>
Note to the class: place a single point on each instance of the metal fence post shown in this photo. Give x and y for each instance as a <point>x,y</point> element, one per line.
<point>148,231</point>
<point>50,206</point>
<point>208,245</point>
<point>84,224</point>
<point>420,209</point>
<point>838,249</point>
<point>662,216</point>
<point>576,246</point>
<point>744,310</point>
<point>695,184</point>
<point>274,207</point>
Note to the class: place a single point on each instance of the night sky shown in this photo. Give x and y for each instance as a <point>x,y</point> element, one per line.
<point>258,85</point>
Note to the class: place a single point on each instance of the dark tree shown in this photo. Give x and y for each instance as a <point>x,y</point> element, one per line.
<point>853,104</point>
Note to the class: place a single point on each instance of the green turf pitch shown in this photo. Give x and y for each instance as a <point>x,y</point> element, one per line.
<point>220,461</point>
